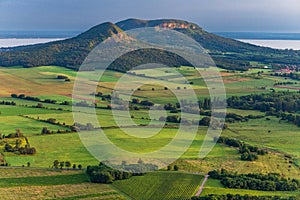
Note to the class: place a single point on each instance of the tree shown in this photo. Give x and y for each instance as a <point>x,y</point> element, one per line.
<point>45,131</point>
<point>28,164</point>
<point>68,164</point>
<point>101,177</point>
<point>79,166</point>
<point>74,166</point>
<point>40,105</point>
<point>140,161</point>
<point>176,168</point>
<point>169,167</point>
<point>19,133</point>
<point>61,164</point>
<point>55,163</point>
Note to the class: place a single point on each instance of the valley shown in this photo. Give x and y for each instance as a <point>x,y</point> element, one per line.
<point>52,109</point>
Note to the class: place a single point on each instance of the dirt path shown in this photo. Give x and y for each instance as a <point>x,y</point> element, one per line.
<point>202,185</point>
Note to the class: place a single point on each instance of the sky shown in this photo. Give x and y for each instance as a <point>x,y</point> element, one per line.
<point>212,15</point>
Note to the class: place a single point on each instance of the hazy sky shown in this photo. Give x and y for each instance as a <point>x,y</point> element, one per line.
<point>213,15</point>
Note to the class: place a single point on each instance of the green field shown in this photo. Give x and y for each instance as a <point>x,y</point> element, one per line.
<point>160,185</point>
<point>280,137</point>
<point>31,183</point>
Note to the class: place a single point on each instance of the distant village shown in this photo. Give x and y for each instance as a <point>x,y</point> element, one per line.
<point>281,68</point>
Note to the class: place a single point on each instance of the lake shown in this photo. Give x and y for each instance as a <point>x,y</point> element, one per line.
<point>277,44</point>
<point>12,42</point>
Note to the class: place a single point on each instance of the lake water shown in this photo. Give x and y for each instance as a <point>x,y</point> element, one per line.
<point>277,44</point>
<point>13,42</point>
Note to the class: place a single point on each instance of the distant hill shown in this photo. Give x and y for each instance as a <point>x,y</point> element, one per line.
<point>227,53</point>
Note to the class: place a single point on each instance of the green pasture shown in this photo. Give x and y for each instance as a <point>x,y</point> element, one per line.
<point>160,185</point>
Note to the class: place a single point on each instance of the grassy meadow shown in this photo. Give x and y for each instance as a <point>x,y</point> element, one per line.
<point>31,183</point>
<point>280,137</point>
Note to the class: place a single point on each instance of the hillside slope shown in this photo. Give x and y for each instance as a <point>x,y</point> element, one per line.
<point>68,53</point>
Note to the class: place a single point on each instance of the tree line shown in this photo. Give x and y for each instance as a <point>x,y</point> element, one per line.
<point>240,197</point>
<point>268,182</point>
<point>248,152</point>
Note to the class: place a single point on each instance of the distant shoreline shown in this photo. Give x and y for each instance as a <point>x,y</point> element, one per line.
<point>259,36</point>
<point>37,34</point>
<point>13,42</point>
<point>276,44</point>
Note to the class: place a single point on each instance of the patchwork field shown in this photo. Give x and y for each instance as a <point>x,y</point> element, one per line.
<point>280,137</point>
<point>49,184</point>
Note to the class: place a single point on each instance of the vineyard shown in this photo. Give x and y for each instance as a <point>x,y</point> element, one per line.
<point>160,185</point>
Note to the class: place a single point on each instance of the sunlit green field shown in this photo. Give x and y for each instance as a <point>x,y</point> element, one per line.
<point>281,137</point>
<point>51,184</point>
<point>160,185</point>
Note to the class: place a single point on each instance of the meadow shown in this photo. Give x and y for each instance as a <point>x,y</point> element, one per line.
<point>31,183</point>
<point>280,137</point>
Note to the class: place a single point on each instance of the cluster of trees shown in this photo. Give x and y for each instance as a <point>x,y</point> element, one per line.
<point>213,122</point>
<point>294,76</point>
<point>53,121</point>
<point>61,164</point>
<point>104,174</point>
<point>27,150</point>
<point>205,121</point>
<point>175,168</point>
<point>293,118</point>
<point>248,152</point>
<point>276,101</point>
<point>17,148</point>
<point>187,106</point>
<point>233,117</point>
<point>240,197</point>
<point>269,182</point>
<point>82,104</point>
<point>83,127</point>
<point>277,104</point>
<point>285,83</point>
<point>46,131</point>
<point>105,97</point>
<point>64,77</point>
<point>30,98</point>
<point>17,134</point>
<point>142,103</point>
<point>10,103</point>
<point>171,119</point>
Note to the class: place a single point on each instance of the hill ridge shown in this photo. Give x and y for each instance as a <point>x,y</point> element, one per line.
<point>227,53</point>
